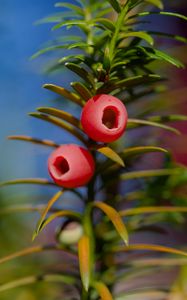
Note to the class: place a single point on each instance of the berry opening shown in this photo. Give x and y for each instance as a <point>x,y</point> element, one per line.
<point>61,165</point>
<point>110,117</point>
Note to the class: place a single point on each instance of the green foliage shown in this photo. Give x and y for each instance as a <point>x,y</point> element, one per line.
<point>113,55</point>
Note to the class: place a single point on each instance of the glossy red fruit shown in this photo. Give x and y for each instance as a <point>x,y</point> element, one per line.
<point>104,118</point>
<point>71,166</point>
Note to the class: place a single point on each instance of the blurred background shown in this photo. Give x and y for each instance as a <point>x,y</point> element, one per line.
<point>21,81</point>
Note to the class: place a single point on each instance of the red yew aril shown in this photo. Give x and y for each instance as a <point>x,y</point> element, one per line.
<point>104,118</point>
<point>71,166</point>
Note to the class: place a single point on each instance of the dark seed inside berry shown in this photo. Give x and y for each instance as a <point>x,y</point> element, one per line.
<point>110,117</point>
<point>61,165</point>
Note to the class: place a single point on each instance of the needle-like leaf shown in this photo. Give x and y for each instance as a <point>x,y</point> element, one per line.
<point>149,247</point>
<point>24,281</point>
<point>79,10</point>
<point>129,152</point>
<point>45,212</point>
<point>85,260</point>
<point>28,251</point>
<point>65,93</point>
<point>84,74</point>
<point>111,154</point>
<point>115,218</point>
<point>58,122</point>
<point>157,3</point>
<point>39,181</point>
<point>139,34</point>
<point>149,173</point>
<point>132,123</point>
<point>61,114</point>
<point>115,4</point>
<point>153,209</point>
<point>102,290</point>
<point>63,213</point>
<point>82,90</point>
<point>30,139</point>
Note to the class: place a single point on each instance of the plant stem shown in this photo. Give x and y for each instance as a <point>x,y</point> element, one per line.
<point>85,295</point>
<point>88,17</point>
<point>89,231</point>
<point>119,24</point>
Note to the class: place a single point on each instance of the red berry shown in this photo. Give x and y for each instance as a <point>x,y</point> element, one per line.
<point>71,166</point>
<point>104,118</point>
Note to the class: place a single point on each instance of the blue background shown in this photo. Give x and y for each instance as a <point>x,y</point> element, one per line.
<point>21,81</point>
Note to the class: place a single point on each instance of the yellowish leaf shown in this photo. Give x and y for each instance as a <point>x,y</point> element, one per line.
<point>65,93</point>
<point>102,290</point>
<point>33,140</point>
<point>57,278</point>
<point>149,247</point>
<point>133,123</point>
<point>61,114</point>
<point>149,173</point>
<point>58,122</point>
<point>152,209</point>
<point>63,213</point>
<point>115,218</point>
<point>41,181</point>
<point>85,260</point>
<point>108,152</point>
<point>46,210</point>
